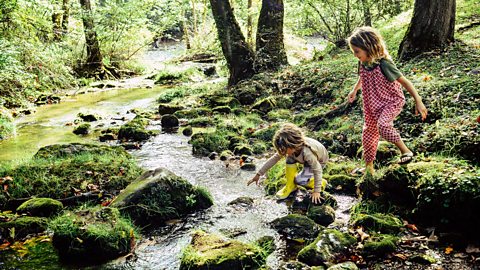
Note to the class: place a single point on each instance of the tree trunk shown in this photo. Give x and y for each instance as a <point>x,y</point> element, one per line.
<point>186,32</point>
<point>269,43</point>
<point>94,56</point>
<point>238,54</point>
<point>66,16</point>
<point>57,25</point>
<point>367,15</point>
<point>249,24</point>
<point>432,27</point>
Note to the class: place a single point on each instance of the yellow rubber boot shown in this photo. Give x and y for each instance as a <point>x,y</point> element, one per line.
<point>290,173</point>
<point>311,184</point>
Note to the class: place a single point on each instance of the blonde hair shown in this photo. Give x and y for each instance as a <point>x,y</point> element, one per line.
<point>288,136</point>
<point>369,40</point>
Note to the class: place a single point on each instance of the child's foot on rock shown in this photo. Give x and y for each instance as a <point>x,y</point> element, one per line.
<point>405,158</point>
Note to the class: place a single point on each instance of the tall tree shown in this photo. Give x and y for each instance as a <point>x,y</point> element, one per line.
<point>432,27</point>
<point>94,56</point>
<point>269,43</point>
<point>238,54</point>
<point>66,16</point>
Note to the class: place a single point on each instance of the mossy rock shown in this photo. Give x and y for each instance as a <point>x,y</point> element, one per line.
<point>280,114</point>
<point>248,91</point>
<point>386,153</point>
<point>193,113</point>
<point>16,227</point>
<point>341,183</point>
<point>442,192</point>
<point>82,129</point>
<point>88,117</point>
<point>67,150</point>
<point>322,214</point>
<point>57,171</point>
<point>219,101</point>
<point>380,245</point>
<point>422,259</point>
<point>159,195</point>
<point>187,131</point>
<point>242,149</point>
<point>92,235</point>
<point>222,109</point>
<point>211,252</point>
<point>135,130</point>
<point>202,122</point>
<point>266,134</point>
<point>344,266</point>
<point>377,222</point>
<point>225,155</point>
<point>265,105</point>
<point>297,227</point>
<point>165,108</point>
<point>333,244</point>
<point>41,207</point>
<point>169,122</point>
<point>205,143</point>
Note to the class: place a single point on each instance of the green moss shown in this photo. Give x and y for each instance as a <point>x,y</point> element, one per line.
<point>59,169</point>
<point>380,245</point>
<point>17,227</point>
<point>41,207</point>
<point>212,252</point>
<point>95,234</point>
<point>135,130</point>
<point>34,253</point>
<point>377,222</point>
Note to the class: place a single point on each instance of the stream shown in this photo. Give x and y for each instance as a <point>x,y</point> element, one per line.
<point>161,249</point>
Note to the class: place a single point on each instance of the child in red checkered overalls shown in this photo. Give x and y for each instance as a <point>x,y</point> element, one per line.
<point>381,83</point>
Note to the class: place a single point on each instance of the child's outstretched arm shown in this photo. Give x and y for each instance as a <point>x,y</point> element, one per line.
<point>419,107</point>
<point>269,164</point>
<point>352,95</point>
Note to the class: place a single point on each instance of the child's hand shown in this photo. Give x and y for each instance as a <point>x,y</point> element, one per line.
<point>352,95</point>
<point>420,108</point>
<point>255,179</point>
<point>316,198</point>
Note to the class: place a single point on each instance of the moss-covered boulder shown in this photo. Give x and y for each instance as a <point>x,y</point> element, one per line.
<point>187,131</point>
<point>159,195</point>
<point>205,143</point>
<point>92,235</point>
<point>297,227</point>
<point>62,170</point>
<point>376,222</point>
<point>327,247</point>
<point>322,214</point>
<point>442,192</point>
<point>222,109</point>
<point>40,207</point>
<point>88,117</point>
<point>82,129</point>
<point>18,226</point>
<point>341,183</point>
<point>212,252</point>
<point>165,108</point>
<point>380,245</point>
<point>169,122</point>
<point>135,130</point>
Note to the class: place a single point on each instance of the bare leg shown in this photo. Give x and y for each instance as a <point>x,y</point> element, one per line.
<point>369,168</point>
<point>403,148</point>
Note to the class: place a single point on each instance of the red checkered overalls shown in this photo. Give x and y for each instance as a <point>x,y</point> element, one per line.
<point>382,102</point>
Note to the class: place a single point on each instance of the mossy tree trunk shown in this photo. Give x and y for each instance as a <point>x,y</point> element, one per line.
<point>270,49</point>
<point>94,56</point>
<point>432,27</point>
<point>57,24</point>
<point>65,16</point>
<point>237,52</point>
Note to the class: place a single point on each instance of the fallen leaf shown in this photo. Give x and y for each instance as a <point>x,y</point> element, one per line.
<point>448,250</point>
<point>363,235</point>
<point>402,257</point>
<point>412,227</point>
